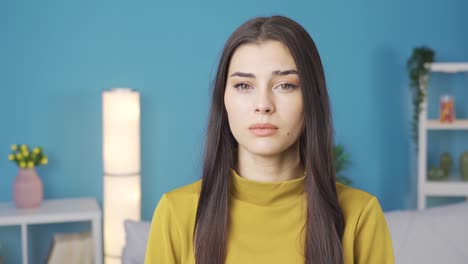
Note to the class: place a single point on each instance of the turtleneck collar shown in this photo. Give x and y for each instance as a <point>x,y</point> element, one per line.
<point>266,193</point>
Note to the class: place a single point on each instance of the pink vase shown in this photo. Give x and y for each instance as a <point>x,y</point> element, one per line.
<point>27,189</point>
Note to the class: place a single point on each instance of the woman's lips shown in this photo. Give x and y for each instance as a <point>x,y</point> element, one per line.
<point>263,130</point>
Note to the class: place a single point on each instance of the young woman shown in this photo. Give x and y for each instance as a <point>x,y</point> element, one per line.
<point>268,192</point>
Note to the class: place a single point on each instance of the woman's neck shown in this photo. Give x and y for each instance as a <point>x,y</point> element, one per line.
<point>282,167</point>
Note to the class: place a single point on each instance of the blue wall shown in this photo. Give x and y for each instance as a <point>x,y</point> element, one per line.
<point>56,58</point>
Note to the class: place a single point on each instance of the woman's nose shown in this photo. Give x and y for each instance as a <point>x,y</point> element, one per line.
<point>264,105</point>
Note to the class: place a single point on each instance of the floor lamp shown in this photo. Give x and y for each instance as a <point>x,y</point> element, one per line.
<point>121,159</point>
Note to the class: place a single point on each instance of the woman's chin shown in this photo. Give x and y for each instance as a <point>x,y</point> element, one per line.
<point>266,150</point>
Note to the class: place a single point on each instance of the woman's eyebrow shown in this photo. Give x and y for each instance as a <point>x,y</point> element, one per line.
<point>282,73</point>
<point>243,74</point>
<point>275,73</point>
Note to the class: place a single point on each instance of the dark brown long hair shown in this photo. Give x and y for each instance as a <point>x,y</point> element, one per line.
<point>325,223</point>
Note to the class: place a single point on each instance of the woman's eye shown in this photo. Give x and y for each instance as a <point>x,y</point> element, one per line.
<point>242,86</point>
<point>287,86</point>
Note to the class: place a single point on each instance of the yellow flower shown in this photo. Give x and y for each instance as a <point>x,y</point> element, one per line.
<point>11,157</point>
<point>30,164</point>
<point>14,147</point>
<point>23,147</point>
<point>19,156</point>
<point>36,151</point>
<point>25,154</point>
<point>22,164</point>
<point>44,160</point>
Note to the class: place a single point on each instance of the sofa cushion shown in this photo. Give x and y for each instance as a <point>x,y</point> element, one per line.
<point>434,235</point>
<point>136,237</point>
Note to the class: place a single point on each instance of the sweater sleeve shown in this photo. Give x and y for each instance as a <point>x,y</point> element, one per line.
<point>372,241</point>
<point>164,238</point>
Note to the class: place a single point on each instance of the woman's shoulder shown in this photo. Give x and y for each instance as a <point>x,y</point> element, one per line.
<point>353,201</point>
<point>188,191</point>
<point>366,237</point>
<point>180,203</point>
<point>346,192</point>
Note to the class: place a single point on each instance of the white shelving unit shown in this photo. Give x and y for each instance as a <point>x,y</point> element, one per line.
<point>438,188</point>
<point>54,211</point>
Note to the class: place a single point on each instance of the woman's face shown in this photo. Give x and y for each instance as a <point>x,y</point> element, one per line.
<point>263,98</point>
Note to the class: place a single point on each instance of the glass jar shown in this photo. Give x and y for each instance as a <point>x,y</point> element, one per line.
<point>447,109</point>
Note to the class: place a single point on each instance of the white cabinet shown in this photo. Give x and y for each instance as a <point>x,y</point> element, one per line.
<point>55,211</point>
<point>452,187</point>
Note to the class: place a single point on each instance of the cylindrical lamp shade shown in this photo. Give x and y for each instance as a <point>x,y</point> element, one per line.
<point>121,129</point>
<point>121,158</point>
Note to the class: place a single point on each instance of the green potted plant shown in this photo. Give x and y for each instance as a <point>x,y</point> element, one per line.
<point>340,162</point>
<point>419,80</point>
<point>27,187</point>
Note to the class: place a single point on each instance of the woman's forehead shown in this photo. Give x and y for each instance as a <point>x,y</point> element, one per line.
<point>262,58</point>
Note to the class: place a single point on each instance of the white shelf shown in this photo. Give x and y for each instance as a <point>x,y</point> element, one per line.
<point>50,211</point>
<point>446,188</point>
<point>434,124</point>
<point>55,211</point>
<point>437,188</point>
<point>448,67</point>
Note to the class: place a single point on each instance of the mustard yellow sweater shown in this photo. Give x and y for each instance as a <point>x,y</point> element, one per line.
<point>265,225</point>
